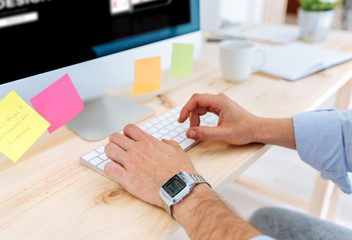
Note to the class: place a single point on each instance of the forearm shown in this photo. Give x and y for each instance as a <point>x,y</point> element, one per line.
<point>205,216</point>
<point>275,131</point>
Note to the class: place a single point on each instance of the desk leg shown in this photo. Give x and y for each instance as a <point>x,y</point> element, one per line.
<point>326,196</point>
<point>325,199</point>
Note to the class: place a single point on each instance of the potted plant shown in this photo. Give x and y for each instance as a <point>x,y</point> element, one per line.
<point>315,18</point>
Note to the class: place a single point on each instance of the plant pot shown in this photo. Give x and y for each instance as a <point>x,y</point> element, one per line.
<point>315,25</point>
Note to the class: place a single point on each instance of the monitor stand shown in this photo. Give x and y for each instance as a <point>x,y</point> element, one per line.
<point>105,115</point>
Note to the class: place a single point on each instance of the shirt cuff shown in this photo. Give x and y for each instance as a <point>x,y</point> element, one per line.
<point>319,142</point>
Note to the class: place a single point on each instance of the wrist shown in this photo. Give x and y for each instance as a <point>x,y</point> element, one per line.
<point>274,131</point>
<point>189,205</point>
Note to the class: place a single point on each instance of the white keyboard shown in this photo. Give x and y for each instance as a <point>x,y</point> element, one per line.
<point>164,126</point>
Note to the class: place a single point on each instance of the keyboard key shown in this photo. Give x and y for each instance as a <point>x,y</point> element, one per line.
<point>166,122</point>
<point>159,126</point>
<point>90,156</point>
<point>148,125</point>
<point>178,139</point>
<point>173,134</point>
<point>170,127</point>
<point>163,131</point>
<point>161,117</point>
<point>157,135</point>
<point>154,121</point>
<point>100,149</point>
<point>186,143</point>
<point>152,130</point>
<point>103,156</point>
<point>167,137</point>
<point>101,166</point>
<point>96,161</point>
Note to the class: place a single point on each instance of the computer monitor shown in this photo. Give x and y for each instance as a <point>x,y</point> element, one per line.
<point>96,44</point>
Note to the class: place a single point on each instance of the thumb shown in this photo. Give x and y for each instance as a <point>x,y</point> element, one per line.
<point>205,133</point>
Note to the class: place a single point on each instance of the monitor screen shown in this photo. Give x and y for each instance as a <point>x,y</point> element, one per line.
<point>96,44</point>
<point>38,36</point>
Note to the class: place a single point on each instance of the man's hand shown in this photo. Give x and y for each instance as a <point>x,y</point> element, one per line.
<point>235,125</point>
<point>142,163</point>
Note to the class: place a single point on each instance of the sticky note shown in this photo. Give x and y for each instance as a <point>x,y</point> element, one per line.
<point>59,103</point>
<point>20,126</point>
<point>147,75</point>
<point>182,61</point>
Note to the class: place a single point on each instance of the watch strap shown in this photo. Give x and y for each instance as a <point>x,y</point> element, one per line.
<point>198,179</point>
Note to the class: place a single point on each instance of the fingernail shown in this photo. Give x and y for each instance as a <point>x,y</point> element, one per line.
<point>192,133</point>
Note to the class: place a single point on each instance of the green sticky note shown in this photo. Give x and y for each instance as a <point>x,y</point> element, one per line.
<point>20,126</point>
<point>182,61</point>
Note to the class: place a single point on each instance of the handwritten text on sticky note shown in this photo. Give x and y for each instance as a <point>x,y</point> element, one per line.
<point>20,126</point>
<point>147,75</point>
<point>59,103</point>
<point>182,61</point>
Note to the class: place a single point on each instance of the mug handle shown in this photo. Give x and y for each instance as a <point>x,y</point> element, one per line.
<point>257,68</point>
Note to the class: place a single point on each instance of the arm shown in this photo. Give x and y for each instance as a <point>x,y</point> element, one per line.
<point>205,216</point>
<point>236,125</point>
<point>142,171</point>
<point>324,141</point>
<point>322,138</point>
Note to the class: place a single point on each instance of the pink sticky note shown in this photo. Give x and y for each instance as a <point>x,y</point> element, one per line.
<point>58,103</point>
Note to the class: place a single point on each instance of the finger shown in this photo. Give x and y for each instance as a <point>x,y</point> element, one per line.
<point>205,101</point>
<point>207,133</point>
<point>120,140</point>
<point>194,119</point>
<point>195,116</point>
<point>116,154</point>
<point>171,142</point>
<point>133,132</point>
<point>188,108</point>
<point>117,172</point>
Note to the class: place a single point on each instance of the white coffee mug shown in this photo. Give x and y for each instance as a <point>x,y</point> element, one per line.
<point>237,59</point>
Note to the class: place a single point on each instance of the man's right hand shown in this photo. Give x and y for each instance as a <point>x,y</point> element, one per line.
<point>236,125</point>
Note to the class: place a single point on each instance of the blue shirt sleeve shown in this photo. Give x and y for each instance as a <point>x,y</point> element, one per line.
<point>262,238</point>
<point>324,141</point>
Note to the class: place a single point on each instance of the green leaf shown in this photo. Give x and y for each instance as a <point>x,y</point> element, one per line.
<point>316,5</point>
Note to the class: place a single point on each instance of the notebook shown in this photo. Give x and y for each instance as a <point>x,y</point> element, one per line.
<point>297,60</point>
<point>262,33</point>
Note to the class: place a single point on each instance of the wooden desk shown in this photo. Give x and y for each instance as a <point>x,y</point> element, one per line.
<point>49,195</point>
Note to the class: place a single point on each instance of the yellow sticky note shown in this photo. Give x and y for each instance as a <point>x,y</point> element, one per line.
<point>147,75</point>
<point>20,126</point>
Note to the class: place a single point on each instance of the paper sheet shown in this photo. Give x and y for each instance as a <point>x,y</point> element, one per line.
<point>263,33</point>
<point>59,103</point>
<point>147,75</point>
<point>296,60</point>
<point>182,61</point>
<point>20,126</point>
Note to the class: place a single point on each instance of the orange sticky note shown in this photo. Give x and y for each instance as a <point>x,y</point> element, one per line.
<point>147,74</point>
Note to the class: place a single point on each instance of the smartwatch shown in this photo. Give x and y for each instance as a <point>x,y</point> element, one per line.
<point>177,188</point>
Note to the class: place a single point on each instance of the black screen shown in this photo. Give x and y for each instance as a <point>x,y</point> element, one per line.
<point>68,32</point>
<point>174,186</point>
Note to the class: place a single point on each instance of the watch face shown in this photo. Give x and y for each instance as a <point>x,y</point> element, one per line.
<point>174,186</point>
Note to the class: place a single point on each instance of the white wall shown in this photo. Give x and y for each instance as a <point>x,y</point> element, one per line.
<point>234,11</point>
<point>242,11</point>
<point>210,14</point>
